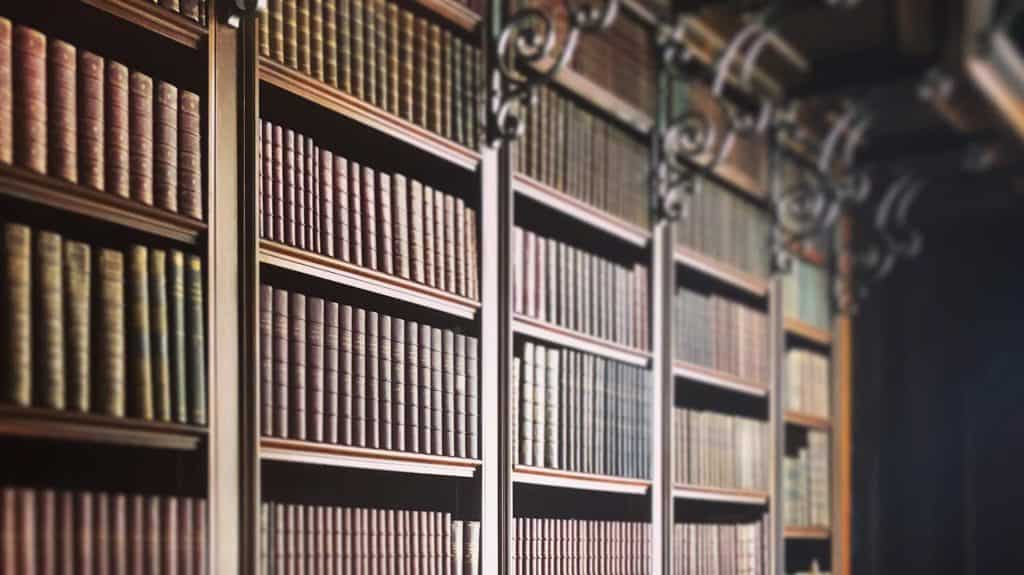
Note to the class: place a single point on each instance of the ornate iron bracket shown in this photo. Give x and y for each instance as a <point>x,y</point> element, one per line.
<point>242,8</point>
<point>525,58</point>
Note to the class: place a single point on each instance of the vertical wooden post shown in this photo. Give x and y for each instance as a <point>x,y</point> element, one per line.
<point>842,356</point>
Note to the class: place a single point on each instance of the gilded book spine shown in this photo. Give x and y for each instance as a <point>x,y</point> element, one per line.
<point>17,309</point>
<point>116,142</point>
<point>159,332</point>
<point>30,99</point>
<point>141,137</point>
<point>110,364</point>
<point>330,23</point>
<point>177,334</point>
<point>90,120</point>
<point>165,147</point>
<point>62,111</point>
<point>140,396</point>
<point>6,93</point>
<point>196,355</point>
<point>77,292</point>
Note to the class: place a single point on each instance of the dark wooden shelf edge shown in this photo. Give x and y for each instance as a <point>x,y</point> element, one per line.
<point>331,98</point>
<point>581,342</point>
<point>807,332</point>
<point>38,423</point>
<point>580,211</point>
<point>715,378</point>
<point>28,186</point>
<point>576,480</point>
<point>694,260</point>
<point>720,494</point>
<point>454,12</point>
<point>807,420</point>
<point>333,455</point>
<point>337,271</point>
<point>154,18</point>
<point>821,533</point>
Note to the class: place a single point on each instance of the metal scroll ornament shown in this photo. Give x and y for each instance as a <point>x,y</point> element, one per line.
<point>526,57</point>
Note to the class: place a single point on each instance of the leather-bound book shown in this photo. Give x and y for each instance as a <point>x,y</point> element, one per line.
<point>460,251</point>
<point>400,224</point>
<point>385,243</point>
<point>421,103</point>
<point>315,369</point>
<point>30,99</point>
<point>49,321</point>
<point>108,394</point>
<point>266,360</point>
<point>77,282</point>
<point>341,209</point>
<point>152,534</point>
<point>438,377</point>
<point>170,535</point>
<point>297,365</point>
<point>159,335</point>
<point>371,92</point>
<point>472,257</point>
<point>140,148</point>
<point>267,180</point>
<point>450,246</point>
<point>299,167</point>
<point>275,15</point>
<point>174,5</point>
<point>190,156</point>
<point>62,110</point>
<point>426,373</point>
<point>330,52</point>
<point>458,127</point>
<point>278,185</point>
<point>136,534</point>
<point>369,219</point>
<point>414,231</point>
<point>385,382</point>
<point>118,535</point>
<point>326,187</point>
<point>346,376</point>
<point>441,243</point>
<point>372,383</point>
<point>196,355</point>
<point>316,39</point>
<point>446,82</point>
<point>394,66</point>
<point>194,10</point>
<point>472,399</point>
<point>346,36</point>
<point>288,171</point>
<point>85,543</point>
<point>281,364</point>
<point>312,195</point>
<point>165,147</point>
<point>357,53</point>
<point>429,250</point>
<point>331,357</point>
<point>140,380</point>
<point>117,123</point>
<point>407,72</point>
<point>436,93</point>
<point>264,33</point>
<point>380,70</point>
<point>411,382</point>
<point>46,537</point>
<point>291,37</point>
<point>177,335</point>
<point>8,526</point>
<point>6,93</point>
<point>359,398</point>
<point>90,120</point>
<point>459,397</point>
<point>303,30</point>
<point>186,537</point>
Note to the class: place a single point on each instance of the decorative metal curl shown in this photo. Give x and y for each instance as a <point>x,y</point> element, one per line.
<point>525,57</point>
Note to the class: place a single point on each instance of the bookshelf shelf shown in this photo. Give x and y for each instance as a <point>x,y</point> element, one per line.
<point>807,332</point>
<point>40,423</point>
<point>293,81</point>
<point>720,494</point>
<point>575,480</point>
<point>305,452</point>
<point>155,18</point>
<point>694,260</point>
<point>561,336</point>
<point>454,12</point>
<point>808,421</point>
<point>715,378</point>
<point>581,211</point>
<point>817,533</point>
<point>340,272</point>
<point>29,186</point>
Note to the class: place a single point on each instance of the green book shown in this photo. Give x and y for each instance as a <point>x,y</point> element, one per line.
<point>176,331</point>
<point>196,355</point>
<point>159,342</point>
<point>77,278</point>
<point>140,380</point>
<point>108,395</point>
<point>16,359</point>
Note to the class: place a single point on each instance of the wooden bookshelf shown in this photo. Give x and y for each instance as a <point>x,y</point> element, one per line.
<point>807,332</point>
<point>344,273</point>
<point>582,481</point>
<point>723,272</point>
<point>808,421</point>
<point>332,455</point>
<point>580,211</point>
<point>811,533</point>
<point>312,90</point>
<point>155,18</point>
<point>453,12</point>
<point>578,341</point>
<point>719,379</point>
<point>75,427</point>
<point>25,185</point>
<point>720,494</point>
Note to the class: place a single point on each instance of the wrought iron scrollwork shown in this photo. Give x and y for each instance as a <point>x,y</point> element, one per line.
<point>526,58</point>
<point>243,8</point>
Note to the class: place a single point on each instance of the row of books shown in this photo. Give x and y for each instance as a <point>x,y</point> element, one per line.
<point>194,10</point>
<point>728,228</point>
<point>806,482</point>
<point>544,546</point>
<point>318,201</point>
<point>807,382</point>
<point>722,549</point>
<point>84,532</point>
<point>322,540</point>
<point>720,450</point>
<point>805,294</point>
<point>722,334</point>
<point>83,119</point>
<point>585,156</point>
<point>579,412</point>
<point>386,55</point>
<point>335,373</point>
<point>557,283</point>
<point>100,330</point>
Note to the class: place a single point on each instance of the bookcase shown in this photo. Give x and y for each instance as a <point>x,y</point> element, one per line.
<point>396,337</point>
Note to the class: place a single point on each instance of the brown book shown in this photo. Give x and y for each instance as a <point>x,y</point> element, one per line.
<point>312,211</point>
<point>442,243</point>
<point>447,57</point>
<point>406,74</point>
<point>394,65</point>
<point>385,382</point>
<point>315,368</point>
<point>6,93</point>
<point>117,122</point>
<point>288,171</point>
<point>84,531</point>
<point>421,102</point>
<point>461,250</point>
<point>275,16</point>
<point>140,381</point>
<point>372,391</point>
<point>436,93</point>
<point>331,359</point>
<point>266,360</point>
<point>200,516</point>
<point>355,205</point>
<point>316,39</point>
<point>299,167</point>
<point>282,366</point>
<point>196,354</point>
<point>46,537</point>
<point>30,99</point>
<point>426,372</point>
<point>108,395</point>
<point>151,534</point>
<point>48,350</point>
<point>327,194</point>
<point>370,92</point>
<point>369,219</point>
<point>472,258</point>
<point>136,534</point>
<point>141,137</point>
<point>357,56</point>
<point>346,37</point>
<point>90,119</point>
<point>190,156</point>
<point>160,335</point>
<point>165,147</point>
<point>429,247</point>
<point>346,375</point>
<point>450,246</point>
<point>186,536</point>
<point>278,181</point>
<point>398,376</point>
<point>118,535</point>
<point>77,278</point>
<point>359,378</point>
<point>177,335</point>
<point>291,38</point>
<point>414,232</point>
<point>297,365</point>
<point>267,180</point>
<point>400,222</point>
<point>302,26</point>
<point>330,53</point>
<point>380,69</point>
<point>9,529</point>
<point>61,111</point>
<point>170,534</point>
<point>264,33</point>
<point>458,129</point>
<point>385,243</point>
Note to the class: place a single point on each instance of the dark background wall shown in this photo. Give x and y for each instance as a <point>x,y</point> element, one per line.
<point>939,405</point>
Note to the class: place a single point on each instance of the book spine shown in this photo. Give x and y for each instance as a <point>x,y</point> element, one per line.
<point>140,380</point>
<point>372,392</point>
<point>385,241</point>
<point>415,246</point>
<point>117,130</point>
<point>30,113</point>
<point>291,33</point>
<point>266,360</point>
<point>49,309</point>
<point>310,186</point>
<point>315,394</point>
<point>359,398</point>
<point>301,205</point>
<point>62,111</point>
<point>448,229</point>
<point>297,377</point>
<point>159,335</point>
<point>177,335</point>
<point>458,130</point>
<point>385,382</point>
<point>370,93</point>
<point>346,374</point>
<point>341,206</point>
<point>426,418</point>
<point>110,363</point>
<point>77,298</point>
<point>267,181</point>
<point>330,38</point>
<point>526,401</point>
<point>141,137</point>
<point>165,147</point>
<point>346,37</point>
<point>539,406</point>
<point>461,249</point>
<point>327,195</point>
<point>447,49</point>
<point>288,171</point>
<point>196,355</point>
<point>436,75</point>
<point>316,39</point>
<point>473,399</point>
<point>190,156</point>
<point>393,59</point>
<point>400,220</point>
<point>461,412</point>
<point>369,219</point>
<point>423,65</point>
<point>398,382</point>
<point>355,204</point>
<point>412,384</point>
<point>438,381</point>
<point>264,33</point>
<point>6,93</point>
<point>380,70</point>
<point>429,247</point>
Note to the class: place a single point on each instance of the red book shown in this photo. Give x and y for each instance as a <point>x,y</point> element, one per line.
<point>190,156</point>
<point>140,137</point>
<point>165,147</point>
<point>30,99</point>
<point>6,94</point>
<point>90,120</point>
<point>116,117</point>
<point>62,111</point>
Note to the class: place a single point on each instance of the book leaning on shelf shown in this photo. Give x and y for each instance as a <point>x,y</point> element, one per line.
<point>341,540</point>
<point>386,55</point>
<point>323,203</point>
<point>543,546</point>
<point>742,548</point>
<point>92,329</point>
<point>74,116</point>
